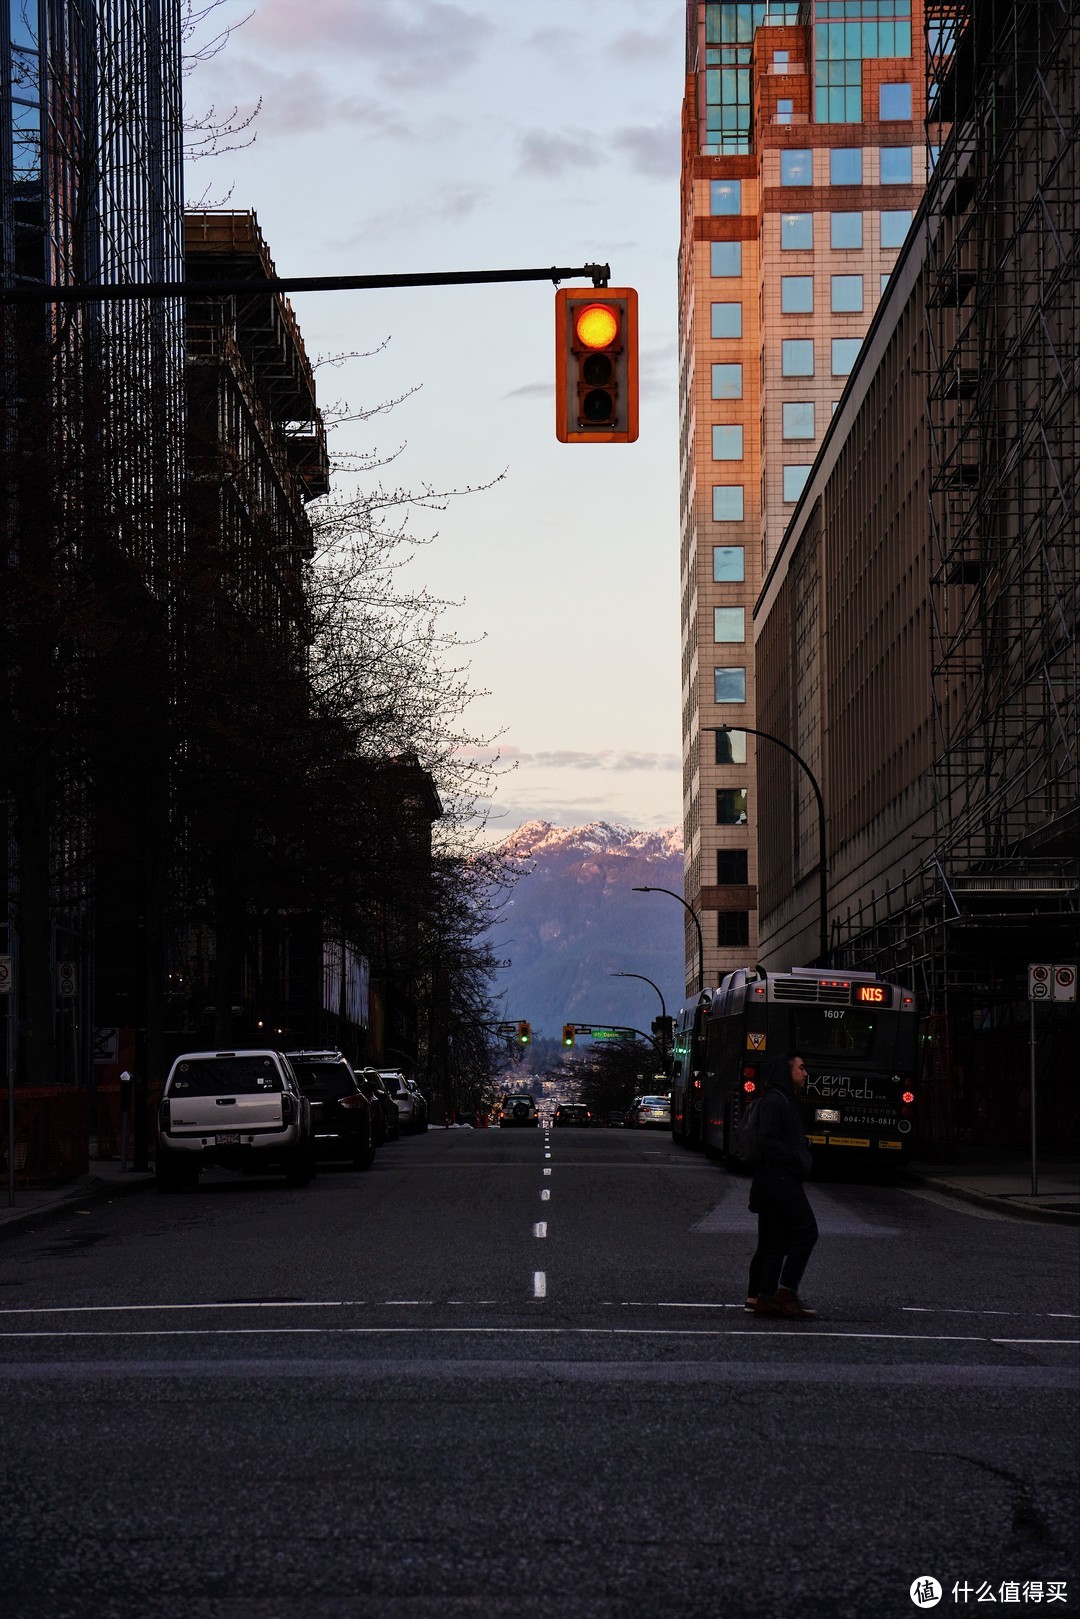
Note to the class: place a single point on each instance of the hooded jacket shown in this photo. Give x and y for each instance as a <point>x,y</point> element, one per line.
<point>781,1141</point>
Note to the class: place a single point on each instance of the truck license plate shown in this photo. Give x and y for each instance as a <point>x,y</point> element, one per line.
<point>228,1138</point>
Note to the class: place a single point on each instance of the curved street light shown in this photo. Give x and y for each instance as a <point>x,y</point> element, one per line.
<point>697,924</point>
<point>663,1009</point>
<point>822,867</point>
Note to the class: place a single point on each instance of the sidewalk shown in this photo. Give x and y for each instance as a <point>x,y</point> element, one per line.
<point>1002,1180</point>
<point>35,1204</point>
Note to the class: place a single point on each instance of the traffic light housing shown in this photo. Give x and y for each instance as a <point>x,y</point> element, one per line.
<point>568,1034</point>
<point>596,365</point>
<point>524,1034</point>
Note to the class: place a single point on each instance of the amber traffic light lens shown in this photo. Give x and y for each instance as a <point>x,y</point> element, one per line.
<point>596,326</point>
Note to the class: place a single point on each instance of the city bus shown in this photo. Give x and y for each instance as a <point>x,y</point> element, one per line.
<point>688,1070</point>
<point>857,1036</point>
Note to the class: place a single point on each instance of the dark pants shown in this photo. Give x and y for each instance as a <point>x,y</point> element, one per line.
<point>787,1232</point>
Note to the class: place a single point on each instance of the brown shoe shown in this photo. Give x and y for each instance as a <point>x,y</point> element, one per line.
<point>789,1304</point>
<point>766,1306</point>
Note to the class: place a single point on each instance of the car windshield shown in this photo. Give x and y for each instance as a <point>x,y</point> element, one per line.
<point>516,1101</point>
<point>225,1076</point>
<point>654,1101</point>
<point>576,1108</point>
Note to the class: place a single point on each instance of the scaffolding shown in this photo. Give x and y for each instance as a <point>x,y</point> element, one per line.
<point>999,884</point>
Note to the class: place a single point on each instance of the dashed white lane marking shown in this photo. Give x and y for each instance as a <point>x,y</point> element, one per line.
<point>545,1195</point>
<point>270,1304</point>
<point>805,1332</point>
<point>547,1171</point>
<point>539,1285</point>
<point>540,1228</point>
<point>1048,1315</point>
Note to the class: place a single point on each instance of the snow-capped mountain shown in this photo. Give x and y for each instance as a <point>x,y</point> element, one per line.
<point>573,920</point>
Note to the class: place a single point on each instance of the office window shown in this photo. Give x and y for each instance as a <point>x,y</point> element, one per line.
<point>731,806</point>
<point>886,277</point>
<point>725,196</point>
<point>731,750</point>
<point>780,58</point>
<point>797,294</point>
<point>845,230</point>
<point>729,625</point>
<point>894,101</point>
<point>796,230</point>
<point>727,443</point>
<point>895,223</point>
<point>727,381</point>
<point>797,357</point>
<point>794,479</point>
<point>728,564</point>
<point>844,353</point>
<point>729,685</point>
<point>796,168</point>
<point>845,166</point>
<point>799,419</point>
<point>727,503</point>
<point>732,929</point>
<point>731,864</point>
<point>725,258</point>
<point>847,294</point>
<point>784,111</point>
<point>726,320</point>
<point>896,166</point>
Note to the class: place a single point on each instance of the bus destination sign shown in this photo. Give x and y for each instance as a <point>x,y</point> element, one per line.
<point>871,994</point>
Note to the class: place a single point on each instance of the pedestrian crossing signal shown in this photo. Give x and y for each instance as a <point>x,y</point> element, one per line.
<point>568,1034</point>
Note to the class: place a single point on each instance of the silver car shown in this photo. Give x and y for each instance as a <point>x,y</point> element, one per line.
<point>242,1109</point>
<point>411,1104</point>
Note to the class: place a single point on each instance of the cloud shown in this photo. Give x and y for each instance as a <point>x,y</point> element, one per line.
<point>551,155</point>
<point>412,43</point>
<point>568,759</point>
<point>298,103</point>
<point>653,149</point>
<point>648,150</point>
<point>451,204</point>
<point>532,390</point>
<point>635,45</point>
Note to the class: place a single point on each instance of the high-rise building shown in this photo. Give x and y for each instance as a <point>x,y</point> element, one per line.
<point>804,158</point>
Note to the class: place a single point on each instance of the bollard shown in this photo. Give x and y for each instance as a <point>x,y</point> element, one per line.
<point>126,1087</point>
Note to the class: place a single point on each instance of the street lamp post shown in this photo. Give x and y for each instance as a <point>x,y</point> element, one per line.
<point>697,924</point>
<point>822,867</point>
<point>663,1009</point>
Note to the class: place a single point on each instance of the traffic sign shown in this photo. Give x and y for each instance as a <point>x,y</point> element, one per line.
<point>1065,981</point>
<point>1040,978</point>
<point>7,976</point>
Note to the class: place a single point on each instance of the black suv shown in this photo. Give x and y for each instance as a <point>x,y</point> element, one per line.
<point>387,1125</point>
<point>342,1120</point>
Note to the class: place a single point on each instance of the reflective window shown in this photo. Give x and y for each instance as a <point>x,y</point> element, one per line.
<point>797,357</point>
<point>725,258</point>
<point>845,166</point>
<point>794,481</point>
<point>729,624</point>
<point>796,168</point>
<point>797,294</point>
<point>725,196</point>
<point>727,442</point>
<point>726,320</point>
<point>895,223</point>
<point>895,165</point>
<point>732,929</point>
<point>845,230</point>
<point>727,503</point>
<point>727,381</point>
<point>731,750</point>
<point>784,111</point>
<point>844,353</point>
<point>886,277</point>
<point>894,101</point>
<point>729,685</point>
<point>798,419</point>
<point>731,806</point>
<point>728,564</point>
<point>796,230</point>
<point>847,294</point>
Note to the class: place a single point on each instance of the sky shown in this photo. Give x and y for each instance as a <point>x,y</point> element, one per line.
<point>419,135</point>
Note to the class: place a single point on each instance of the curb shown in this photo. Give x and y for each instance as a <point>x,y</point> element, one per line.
<point>987,1200</point>
<point>23,1220</point>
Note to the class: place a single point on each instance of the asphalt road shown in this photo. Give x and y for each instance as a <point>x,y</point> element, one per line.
<point>503,1373</point>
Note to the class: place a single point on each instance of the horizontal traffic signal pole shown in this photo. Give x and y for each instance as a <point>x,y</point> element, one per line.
<point>116,292</point>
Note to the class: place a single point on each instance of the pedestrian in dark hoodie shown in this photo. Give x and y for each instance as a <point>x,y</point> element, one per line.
<point>787,1230</point>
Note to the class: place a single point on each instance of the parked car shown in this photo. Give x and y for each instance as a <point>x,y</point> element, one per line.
<point>412,1108</point>
<point>650,1113</point>
<point>616,1119</point>
<point>572,1113</point>
<point>243,1109</point>
<point>342,1116</point>
<point>518,1109</point>
<point>387,1127</point>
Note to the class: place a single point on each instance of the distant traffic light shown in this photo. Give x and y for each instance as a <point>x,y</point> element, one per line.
<point>596,365</point>
<point>524,1034</point>
<point>568,1034</point>
<point>664,1027</point>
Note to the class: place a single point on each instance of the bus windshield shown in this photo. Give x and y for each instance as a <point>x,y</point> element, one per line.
<point>827,1031</point>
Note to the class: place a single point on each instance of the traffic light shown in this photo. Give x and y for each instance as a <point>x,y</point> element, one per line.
<point>596,365</point>
<point>663,1028</point>
<point>568,1034</point>
<point>524,1034</point>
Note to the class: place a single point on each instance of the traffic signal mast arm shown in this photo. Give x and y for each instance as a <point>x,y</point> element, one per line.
<point>112,292</point>
<point>599,1030</point>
